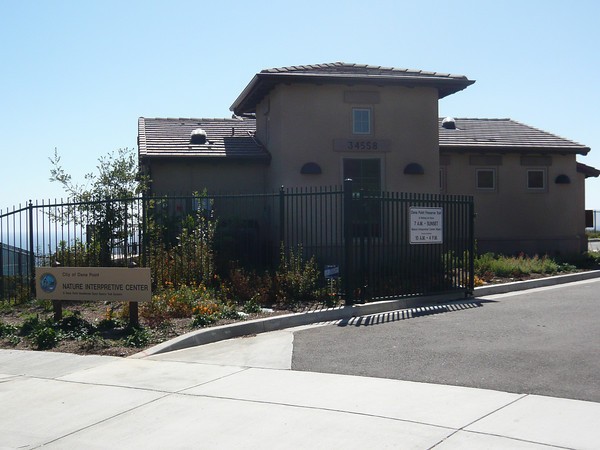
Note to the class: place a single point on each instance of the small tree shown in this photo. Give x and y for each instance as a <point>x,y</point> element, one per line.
<point>117,178</point>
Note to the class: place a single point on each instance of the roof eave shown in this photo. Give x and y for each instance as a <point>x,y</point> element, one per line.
<point>513,149</point>
<point>588,171</point>
<point>141,139</point>
<point>210,158</point>
<point>262,83</point>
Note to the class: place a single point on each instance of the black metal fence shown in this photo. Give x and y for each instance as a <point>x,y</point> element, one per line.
<point>376,245</point>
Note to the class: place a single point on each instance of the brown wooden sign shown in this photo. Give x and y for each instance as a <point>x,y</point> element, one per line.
<point>93,284</point>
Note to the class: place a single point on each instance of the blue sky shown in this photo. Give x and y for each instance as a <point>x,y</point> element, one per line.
<point>76,75</point>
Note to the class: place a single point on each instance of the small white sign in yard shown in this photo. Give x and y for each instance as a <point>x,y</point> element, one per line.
<point>331,271</point>
<point>426,225</point>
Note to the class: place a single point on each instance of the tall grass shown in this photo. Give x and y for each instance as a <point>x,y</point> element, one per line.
<point>489,265</point>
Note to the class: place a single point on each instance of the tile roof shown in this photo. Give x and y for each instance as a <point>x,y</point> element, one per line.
<point>363,70</point>
<point>234,138</point>
<point>338,72</point>
<point>503,135</point>
<point>226,139</point>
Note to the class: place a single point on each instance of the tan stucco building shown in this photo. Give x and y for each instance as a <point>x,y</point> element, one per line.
<point>529,190</point>
<point>314,126</point>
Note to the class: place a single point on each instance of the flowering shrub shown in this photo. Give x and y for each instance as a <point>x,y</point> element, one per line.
<point>174,303</point>
<point>478,281</point>
<point>205,313</point>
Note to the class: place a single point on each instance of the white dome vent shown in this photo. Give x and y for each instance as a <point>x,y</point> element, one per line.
<point>449,123</point>
<point>198,136</point>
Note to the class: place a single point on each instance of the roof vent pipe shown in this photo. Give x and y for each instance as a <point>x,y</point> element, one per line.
<point>449,123</point>
<point>198,136</point>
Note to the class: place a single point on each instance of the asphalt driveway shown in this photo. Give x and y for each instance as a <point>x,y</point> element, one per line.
<point>544,341</point>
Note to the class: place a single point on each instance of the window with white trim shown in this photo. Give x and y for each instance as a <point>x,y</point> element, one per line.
<point>486,179</point>
<point>361,120</point>
<point>536,179</point>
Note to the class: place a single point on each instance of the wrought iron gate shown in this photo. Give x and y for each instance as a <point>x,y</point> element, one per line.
<point>371,242</point>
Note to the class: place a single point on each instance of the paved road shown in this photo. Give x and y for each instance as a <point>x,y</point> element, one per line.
<point>544,341</point>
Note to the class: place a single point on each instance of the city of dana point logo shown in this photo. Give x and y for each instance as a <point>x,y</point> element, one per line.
<point>48,282</point>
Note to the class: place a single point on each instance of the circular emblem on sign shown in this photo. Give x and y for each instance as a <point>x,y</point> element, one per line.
<point>48,282</point>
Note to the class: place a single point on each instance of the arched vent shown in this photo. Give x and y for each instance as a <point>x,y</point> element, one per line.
<point>310,168</point>
<point>198,136</point>
<point>562,179</point>
<point>414,169</point>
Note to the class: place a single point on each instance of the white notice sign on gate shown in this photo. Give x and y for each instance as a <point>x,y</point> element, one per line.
<point>426,225</point>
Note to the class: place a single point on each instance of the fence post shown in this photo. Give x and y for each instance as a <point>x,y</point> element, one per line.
<point>134,316</point>
<point>281,215</point>
<point>57,304</point>
<point>471,247</point>
<point>126,235</point>
<point>31,252</point>
<point>347,211</point>
<point>143,242</point>
<point>1,271</point>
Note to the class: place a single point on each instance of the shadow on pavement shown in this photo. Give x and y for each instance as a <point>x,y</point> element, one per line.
<point>394,316</point>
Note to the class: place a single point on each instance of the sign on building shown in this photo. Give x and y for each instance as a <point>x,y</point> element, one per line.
<point>426,225</point>
<point>93,284</point>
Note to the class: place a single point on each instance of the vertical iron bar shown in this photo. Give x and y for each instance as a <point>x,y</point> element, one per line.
<point>281,215</point>
<point>471,246</point>
<point>347,222</point>
<point>125,235</point>
<point>31,253</point>
<point>143,242</point>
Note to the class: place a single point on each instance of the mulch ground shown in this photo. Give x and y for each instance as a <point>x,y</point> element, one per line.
<point>107,342</point>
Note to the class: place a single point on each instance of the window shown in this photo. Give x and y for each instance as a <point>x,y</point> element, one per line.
<point>536,179</point>
<point>361,120</point>
<point>486,179</point>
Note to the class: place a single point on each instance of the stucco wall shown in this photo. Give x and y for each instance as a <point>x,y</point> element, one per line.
<point>299,123</point>
<point>175,177</point>
<point>513,218</point>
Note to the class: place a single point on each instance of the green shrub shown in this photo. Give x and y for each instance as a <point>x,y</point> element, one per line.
<point>8,330</point>
<point>44,338</point>
<point>93,341</point>
<point>296,279</point>
<point>251,307</point>
<point>73,326</point>
<point>229,311</point>
<point>29,325</point>
<point>109,324</point>
<point>138,337</point>
<point>182,246</point>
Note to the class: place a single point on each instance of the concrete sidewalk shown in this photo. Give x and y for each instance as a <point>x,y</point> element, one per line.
<point>241,393</point>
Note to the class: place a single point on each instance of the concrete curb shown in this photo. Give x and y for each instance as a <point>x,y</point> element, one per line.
<point>220,333</point>
<point>531,284</point>
<point>215,334</point>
